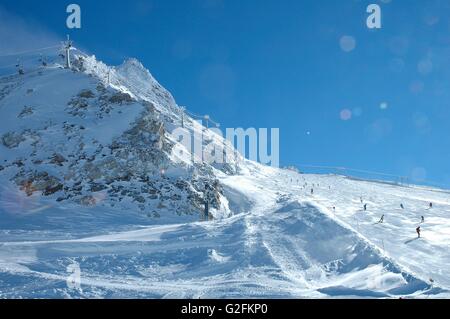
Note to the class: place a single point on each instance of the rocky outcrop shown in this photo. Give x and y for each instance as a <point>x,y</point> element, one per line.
<point>61,157</point>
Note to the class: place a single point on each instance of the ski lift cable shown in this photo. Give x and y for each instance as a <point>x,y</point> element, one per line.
<point>425,182</point>
<point>15,64</point>
<point>29,51</point>
<point>200,117</point>
<point>214,122</point>
<point>24,60</point>
<point>193,115</point>
<point>349,169</point>
<point>80,51</point>
<point>31,71</point>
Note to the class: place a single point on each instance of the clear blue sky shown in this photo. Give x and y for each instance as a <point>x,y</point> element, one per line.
<point>280,64</point>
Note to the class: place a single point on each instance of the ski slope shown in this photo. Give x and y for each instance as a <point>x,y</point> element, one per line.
<point>134,230</point>
<point>284,243</point>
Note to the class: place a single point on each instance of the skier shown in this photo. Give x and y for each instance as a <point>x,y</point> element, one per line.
<point>365,207</point>
<point>361,199</point>
<point>381,220</point>
<point>312,191</point>
<point>42,60</point>
<point>423,219</point>
<point>431,205</point>
<point>418,231</point>
<point>401,206</point>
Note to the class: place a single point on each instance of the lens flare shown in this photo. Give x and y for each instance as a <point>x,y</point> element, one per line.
<point>21,201</point>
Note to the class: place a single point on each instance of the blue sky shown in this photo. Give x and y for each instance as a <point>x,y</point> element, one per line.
<point>280,64</point>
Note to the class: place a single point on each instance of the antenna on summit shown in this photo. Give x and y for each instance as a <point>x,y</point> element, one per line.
<point>67,47</point>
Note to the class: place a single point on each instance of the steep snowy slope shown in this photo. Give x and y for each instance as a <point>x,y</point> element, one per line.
<point>97,135</point>
<point>92,178</point>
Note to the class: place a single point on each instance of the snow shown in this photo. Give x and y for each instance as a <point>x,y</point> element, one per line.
<point>48,99</point>
<point>288,244</point>
<point>271,238</point>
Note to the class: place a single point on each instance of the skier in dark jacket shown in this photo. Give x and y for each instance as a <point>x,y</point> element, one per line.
<point>431,205</point>
<point>381,220</point>
<point>423,219</point>
<point>401,206</point>
<point>418,231</point>
<point>365,207</point>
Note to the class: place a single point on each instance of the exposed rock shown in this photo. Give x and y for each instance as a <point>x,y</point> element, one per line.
<point>52,189</point>
<point>58,159</point>
<point>87,94</point>
<point>39,182</point>
<point>88,201</point>
<point>97,187</point>
<point>139,199</point>
<point>19,163</point>
<point>26,111</point>
<point>12,139</point>
<point>120,98</point>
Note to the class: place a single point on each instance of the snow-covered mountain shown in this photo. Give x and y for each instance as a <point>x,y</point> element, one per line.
<point>92,176</point>
<point>97,135</point>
